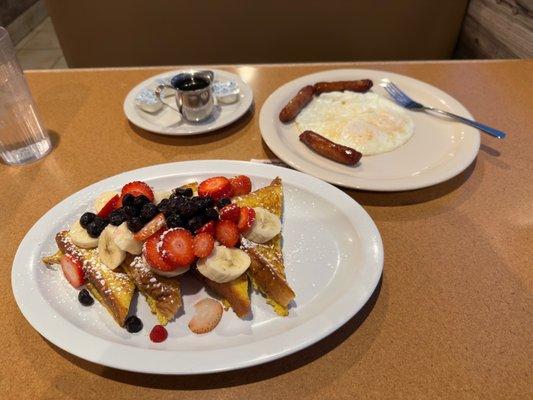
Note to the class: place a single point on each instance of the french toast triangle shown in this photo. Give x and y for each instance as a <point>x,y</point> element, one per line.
<point>113,289</point>
<point>267,271</point>
<point>162,294</point>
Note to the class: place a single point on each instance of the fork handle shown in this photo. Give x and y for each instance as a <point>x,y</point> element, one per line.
<point>487,129</point>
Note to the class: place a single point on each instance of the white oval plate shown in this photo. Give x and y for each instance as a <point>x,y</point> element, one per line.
<point>438,150</point>
<point>225,114</point>
<point>333,255</point>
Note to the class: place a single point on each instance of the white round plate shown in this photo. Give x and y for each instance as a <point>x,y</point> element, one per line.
<point>333,255</point>
<point>224,115</point>
<point>438,150</point>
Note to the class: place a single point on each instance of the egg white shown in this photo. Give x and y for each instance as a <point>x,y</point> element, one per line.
<point>367,122</point>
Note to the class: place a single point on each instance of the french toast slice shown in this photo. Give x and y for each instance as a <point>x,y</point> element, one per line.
<point>162,294</point>
<point>112,288</point>
<point>267,271</point>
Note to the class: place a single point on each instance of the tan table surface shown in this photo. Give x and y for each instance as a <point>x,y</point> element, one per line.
<point>452,317</point>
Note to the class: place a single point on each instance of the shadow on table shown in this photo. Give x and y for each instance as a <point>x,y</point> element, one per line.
<point>202,138</point>
<point>237,377</point>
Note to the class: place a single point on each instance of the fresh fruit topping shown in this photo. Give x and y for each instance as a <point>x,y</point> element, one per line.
<point>203,244</point>
<point>152,255</point>
<point>158,334</point>
<point>135,224</point>
<point>227,233</point>
<point>86,219</point>
<point>72,269</point>
<point>140,201</point>
<point>108,251</point>
<point>216,188</point>
<point>81,238</point>
<point>201,203</point>
<point>117,217</point>
<point>137,188</point>
<point>223,202</point>
<point>103,199</point>
<point>123,238</point>
<point>246,219</point>
<point>150,228</point>
<point>207,316</point>
<point>95,228</point>
<point>148,212</point>
<point>85,298</point>
<point>207,228</point>
<point>224,264</point>
<point>241,185</point>
<point>175,221</point>
<point>110,206</point>
<point>128,200</point>
<point>177,247</point>
<point>133,324</point>
<point>131,211</point>
<point>211,214</point>
<point>231,212</point>
<point>186,192</point>
<point>195,223</point>
<point>265,227</point>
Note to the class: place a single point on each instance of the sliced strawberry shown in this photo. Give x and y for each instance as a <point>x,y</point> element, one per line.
<point>241,185</point>
<point>110,206</point>
<point>231,212</point>
<point>136,189</point>
<point>208,313</point>
<point>158,334</point>
<point>151,227</point>
<point>203,245</point>
<point>217,188</point>
<point>152,254</point>
<point>73,270</point>
<point>227,233</point>
<point>246,219</point>
<point>177,247</point>
<point>207,228</point>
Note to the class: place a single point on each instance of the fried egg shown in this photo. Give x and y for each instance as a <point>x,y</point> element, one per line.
<point>367,122</point>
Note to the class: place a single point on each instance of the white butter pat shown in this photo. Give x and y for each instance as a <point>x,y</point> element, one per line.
<point>147,101</point>
<point>226,92</point>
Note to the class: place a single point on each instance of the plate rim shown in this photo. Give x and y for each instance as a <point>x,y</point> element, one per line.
<point>276,146</point>
<point>38,320</point>
<point>129,108</point>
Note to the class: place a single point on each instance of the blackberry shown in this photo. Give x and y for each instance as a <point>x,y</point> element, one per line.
<point>148,211</point>
<point>117,217</point>
<point>128,199</point>
<point>140,201</point>
<point>133,324</point>
<point>95,228</point>
<point>223,202</point>
<point>187,192</point>
<point>135,224</point>
<point>86,219</point>
<point>130,211</point>
<point>174,221</point>
<point>195,223</point>
<point>85,298</point>
<point>211,214</point>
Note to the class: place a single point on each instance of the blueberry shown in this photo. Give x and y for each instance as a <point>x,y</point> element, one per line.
<point>176,202</point>
<point>130,211</point>
<point>195,223</point>
<point>86,219</point>
<point>174,221</point>
<point>202,203</point>
<point>140,201</point>
<point>187,210</point>
<point>223,202</point>
<point>148,211</point>
<point>133,324</point>
<point>135,224</point>
<point>95,228</point>
<point>187,192</point>
<point>128,199</point>
<point>211,214</point>
<point>163,205</point>
<point>117,217</point>
<point>85,298</point>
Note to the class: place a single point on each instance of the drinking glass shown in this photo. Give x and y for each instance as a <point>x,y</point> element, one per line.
<point>23,138</point>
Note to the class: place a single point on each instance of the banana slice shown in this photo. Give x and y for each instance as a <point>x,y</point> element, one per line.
<point>102,200</point>
<point>266,226</point>
<point>108,251</point>
<point>160,195</point>
<point>81,238</point>
<point>169,274</point>
<point>224,264</point>
<point>123,238</point>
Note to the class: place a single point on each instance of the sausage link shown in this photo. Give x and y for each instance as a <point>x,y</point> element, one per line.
<point>327,148</point>
<point>295,105</point>
<point>362,85</point>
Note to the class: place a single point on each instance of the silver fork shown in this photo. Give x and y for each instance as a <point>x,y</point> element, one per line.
<point>405,101</point>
